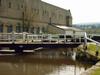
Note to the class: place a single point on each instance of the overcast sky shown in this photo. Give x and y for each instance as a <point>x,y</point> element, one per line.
<point>83,11</point>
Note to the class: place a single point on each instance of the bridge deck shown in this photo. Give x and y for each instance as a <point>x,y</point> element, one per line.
<point>24,41</point>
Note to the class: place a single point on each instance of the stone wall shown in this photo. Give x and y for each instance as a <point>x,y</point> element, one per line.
<point>31,16</point>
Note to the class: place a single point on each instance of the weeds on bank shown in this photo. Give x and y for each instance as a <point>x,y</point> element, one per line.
<point>92,48</point>
<point>96,72</point>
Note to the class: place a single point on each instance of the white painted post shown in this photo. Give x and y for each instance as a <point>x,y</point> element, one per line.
<point>58,39</point>
<point>65,38</point>
<point>24,38</point>
<point>13,37</point>
<point>80,39</point>
<point>74,36</point>
<point>50,38</point>
<point>40,31</point>
<point>85,38</point>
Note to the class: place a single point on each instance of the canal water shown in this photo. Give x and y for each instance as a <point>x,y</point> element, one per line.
<point>31,65</point>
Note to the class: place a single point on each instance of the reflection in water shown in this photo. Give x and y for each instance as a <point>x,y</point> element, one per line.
<point>28,65</point>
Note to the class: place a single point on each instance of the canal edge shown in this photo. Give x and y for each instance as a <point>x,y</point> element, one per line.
<point>92,69</point>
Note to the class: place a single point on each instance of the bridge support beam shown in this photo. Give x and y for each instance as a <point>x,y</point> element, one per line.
<point>18,50</point>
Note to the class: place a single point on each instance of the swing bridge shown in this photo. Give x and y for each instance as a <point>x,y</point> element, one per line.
<point>27,42</point>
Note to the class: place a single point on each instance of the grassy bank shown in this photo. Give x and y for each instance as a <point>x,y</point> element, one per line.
<point>96,72</point>
<point>91,49</point>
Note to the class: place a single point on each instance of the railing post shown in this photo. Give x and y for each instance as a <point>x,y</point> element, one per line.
<point>50,38</point>
<point>13,37</point>
<point>58,38</point>
<point>24,36</point>
<point>97,49</point>
<point>79,39</point>
<point>74,36</point>
<point>85,42</point>
<point>85,38</point>
<point>65,38</point>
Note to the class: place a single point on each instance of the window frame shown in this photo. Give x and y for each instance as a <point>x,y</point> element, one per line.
<point>1,27</point>
<point>9,28</point>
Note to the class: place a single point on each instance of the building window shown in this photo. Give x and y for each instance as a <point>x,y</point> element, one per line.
<point>0,3</point>
<point>9,28</point>
<point>43,29</point>
<point>32,30</point>
<point>1,27</point>
<point>42,13</point>
<point>36,11</point>
<point>45,13</point>
<point>22,6</point>
<point>18,28</point>
<point>38,30</point>
<point>9,5</point>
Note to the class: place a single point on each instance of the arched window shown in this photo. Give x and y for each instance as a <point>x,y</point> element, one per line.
<point>9,28</point>
<point>43,29</point>
<point>18,28</point>
<point>32,30</point>
<point>38,30</point>
<point>9,5</point>
<point>0,3</point>
<point>1,27</point>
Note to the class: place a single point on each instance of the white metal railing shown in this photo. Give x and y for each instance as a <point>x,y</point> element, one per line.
<point>11,37</point>
<point>38,38</point>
